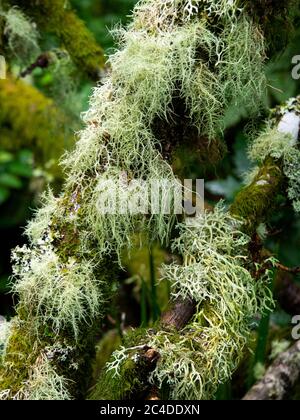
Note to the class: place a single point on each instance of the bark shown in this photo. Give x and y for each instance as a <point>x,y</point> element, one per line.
<point>178,315</point>
<point>279,379</point>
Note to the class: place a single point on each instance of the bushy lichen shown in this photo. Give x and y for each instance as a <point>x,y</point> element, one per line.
<point>43,384</point>
<point>218,275</point>
<point>4,329</point>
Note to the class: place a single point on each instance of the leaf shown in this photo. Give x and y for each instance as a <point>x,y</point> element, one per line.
<point>5,157</point>
<point>20,169</point>
<point>4,195</point>
<point>4,284</point>
<point>10,181</point>
<point>26,157</point>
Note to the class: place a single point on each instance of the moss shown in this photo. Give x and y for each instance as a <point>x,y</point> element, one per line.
<point>104,349</point>
<point>44,135</point>
<point>125,376</point>
<point>217,275</point>
<point>256,202</point>
<point>279,141</point>
<point>19,356</point>
<point>55,16</point>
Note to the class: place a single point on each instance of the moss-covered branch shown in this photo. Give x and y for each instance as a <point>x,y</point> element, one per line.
<point>65,277</point>
<point>30,120</point>
<point>256,202</point>
<point>57,17</point>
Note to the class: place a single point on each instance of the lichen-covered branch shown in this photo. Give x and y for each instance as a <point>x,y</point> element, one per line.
<point>279,379</point>
<point>196,284</point>
<point>209,56</point>
<point>57,17</point>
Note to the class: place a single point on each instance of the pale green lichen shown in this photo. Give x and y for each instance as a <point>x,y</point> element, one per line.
<point>59,278</point>
<point>44,383</point>
<point>163,15</point>
<point>218,274</point>
<point>60,294</point>
<point>4,333</point>
<point>119,140</point>
<point>21,33</point>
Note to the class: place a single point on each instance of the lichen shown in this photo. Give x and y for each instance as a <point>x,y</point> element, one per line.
<point>218,274</point>
<point>43,384</point>
<point>66,274</point>
<point>22,35</point>
<point>72,299</point>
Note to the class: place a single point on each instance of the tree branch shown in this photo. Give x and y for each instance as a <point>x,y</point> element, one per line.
<point>253,204</point>
<point>279,379</point>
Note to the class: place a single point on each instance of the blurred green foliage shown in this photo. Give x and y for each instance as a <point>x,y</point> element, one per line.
<point>15,170</point>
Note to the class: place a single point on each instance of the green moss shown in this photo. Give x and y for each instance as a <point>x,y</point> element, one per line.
<point>104,349</point>
<point>279,141</point>
<point>57,17</point>
<point>44,135</point>
<point>255,202</point>
<point>19,356</point>
<point>126,374</point>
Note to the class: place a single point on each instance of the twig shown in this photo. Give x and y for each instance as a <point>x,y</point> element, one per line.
<point>282,267</point>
